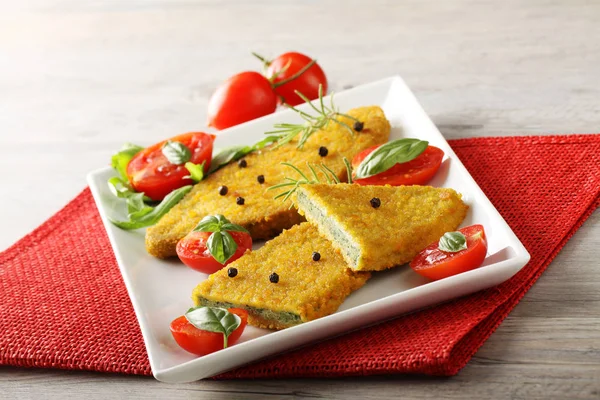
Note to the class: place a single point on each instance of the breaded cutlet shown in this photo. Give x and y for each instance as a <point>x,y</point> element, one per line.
<point>404,220</point>
<point>306,289</point>
<point>260,214</point>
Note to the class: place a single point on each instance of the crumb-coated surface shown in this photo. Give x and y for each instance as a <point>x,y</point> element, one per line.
<point>306,288</point>
<point>408,219</point>
<point>260,214</point>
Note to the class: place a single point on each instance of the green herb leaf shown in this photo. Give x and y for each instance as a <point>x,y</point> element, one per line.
<point>157,212</point>
<point>211,223</point>
<point>214,319</point>
<point>177,153</point>
<point>228,155</point>
<point>221,246</point>
<point>120,188</point>
<point>196,170</point>
<point>135,203</point>
<point>265,142</point>
<point>452,242</point>
<point>120,160</point>
<point>388,155</point>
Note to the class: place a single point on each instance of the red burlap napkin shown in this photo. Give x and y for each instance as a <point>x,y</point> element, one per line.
<point>63,303</point>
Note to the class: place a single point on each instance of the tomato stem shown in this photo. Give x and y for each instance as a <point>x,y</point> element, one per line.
<point>262,59</point>
<point>296,75</point>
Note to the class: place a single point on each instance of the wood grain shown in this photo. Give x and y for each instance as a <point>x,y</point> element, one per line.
<point>79,78</point>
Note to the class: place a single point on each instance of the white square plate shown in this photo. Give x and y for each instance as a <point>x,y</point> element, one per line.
<point>161,290</point>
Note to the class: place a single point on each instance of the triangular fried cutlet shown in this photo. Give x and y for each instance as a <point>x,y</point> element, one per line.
<point>259,213</point>
<point>379,227</point>
<point>305,288</point>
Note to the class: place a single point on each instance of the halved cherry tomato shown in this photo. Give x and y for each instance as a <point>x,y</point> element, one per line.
<point>200,342</point>
<point>435,264</point>
<point>418,171</point>
<point>149,171</point>
<point>307,83</point>
<point>192,251</point>
<point>243,97</point>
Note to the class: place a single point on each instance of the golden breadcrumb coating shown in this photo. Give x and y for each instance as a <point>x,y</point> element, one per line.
<point>260,214</point>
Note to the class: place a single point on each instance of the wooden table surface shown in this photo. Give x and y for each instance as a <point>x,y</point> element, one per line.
<point>79,78</point>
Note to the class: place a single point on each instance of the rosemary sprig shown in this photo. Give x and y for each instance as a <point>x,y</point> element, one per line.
<point>285,132</point>
<point>291,184</point>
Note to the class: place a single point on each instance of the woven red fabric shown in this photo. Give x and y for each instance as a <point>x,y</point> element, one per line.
<point>89,323</point>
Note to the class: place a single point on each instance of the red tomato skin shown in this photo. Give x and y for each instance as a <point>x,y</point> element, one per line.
<point>241,98</point>
<point>200,342</point>
<point>435,264</point>
<point>192,251</point>
<point>307,83</point>
<point>415,172</point>
<point>150,172</point>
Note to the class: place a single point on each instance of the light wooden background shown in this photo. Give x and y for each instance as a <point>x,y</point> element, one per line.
<point>78,78</point>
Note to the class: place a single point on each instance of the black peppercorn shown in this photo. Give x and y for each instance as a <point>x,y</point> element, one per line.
<point>232,272</point>
<point>223,190</point>
<point>274,278</point>
<point>316,256</point>
<point>242,163</point>
<point>240,201</point>
<point>375,202</point>
<point>323,151</point>
<point>260,179</point>
<point>358,126</point>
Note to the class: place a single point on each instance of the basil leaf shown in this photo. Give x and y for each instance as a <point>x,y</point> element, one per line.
<point>221,246</point>
<point>217,223</point>
<point>136,215</point>
<point>214,319</point>
<point>157,212</point>
<point>452,242</point>
<point>120,160</point>
<point>266,141</point>
<point>228,155</point>
<point>196,171</point>
<point>390,154</point>
<point>229,227</point>
<point>177,153</point>
<point>135,202</point>
<point>210,223</point>
<point>120,188</point>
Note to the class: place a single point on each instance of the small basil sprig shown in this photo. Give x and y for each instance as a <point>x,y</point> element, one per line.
<point>452,242</point>
<point>196,170</point>
<point>146,216</point>
<point>214,319</point>
<point>120,160</point>
<point>388,155</point>
<point>177,153</point>
<point>220,243</point>
<point>234,153</point>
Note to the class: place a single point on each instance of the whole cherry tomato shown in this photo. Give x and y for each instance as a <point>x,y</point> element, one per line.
<point>418,171</point>
<point>192,251</point>
<point>150,171</point>
<point>200,342</point>
<point>434,263</point>
<point>241,98</point>
<point>285,67</point>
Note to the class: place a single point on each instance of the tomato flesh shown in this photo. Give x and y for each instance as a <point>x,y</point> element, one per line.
<point>418,171</point>
<point>192,251</point>
<point>241,98</point>
<point>149,171</point>
<point>200,342</point>
<point>307,83</point>
<point>435,264</point>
